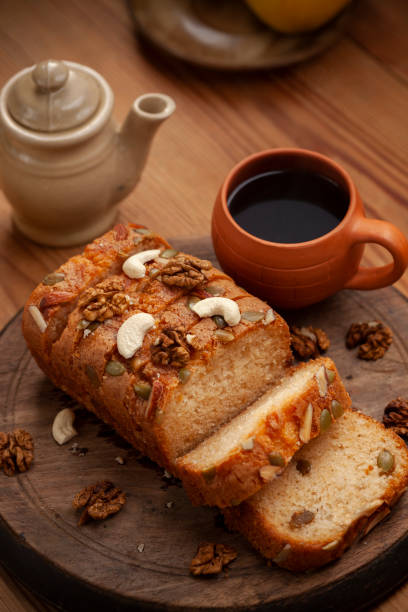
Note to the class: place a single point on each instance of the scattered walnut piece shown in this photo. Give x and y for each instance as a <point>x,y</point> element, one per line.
<point>171,349</point>
<point>104,301</point>
<point>308,342</point>
<point>3,440</point>
<point>99,501</point>
<point>211,559</point>
<point>358,333</point>
<point>396,416</point>
<point>16,451</point>
<point>371,353</point>
<point>323,341</point>
<point>373,337</point>
<point>376,346</point>
<point>187,272</point>
<point>298,519</point>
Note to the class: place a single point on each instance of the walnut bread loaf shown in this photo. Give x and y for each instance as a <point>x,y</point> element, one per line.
<point>153,341</point>
<point>335,490</point>
<point>255,446</point>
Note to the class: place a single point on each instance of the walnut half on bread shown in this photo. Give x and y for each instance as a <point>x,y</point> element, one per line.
<point>190,373</point>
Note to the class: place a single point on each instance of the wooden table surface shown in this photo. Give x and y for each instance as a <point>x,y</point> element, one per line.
<point>351,104</point>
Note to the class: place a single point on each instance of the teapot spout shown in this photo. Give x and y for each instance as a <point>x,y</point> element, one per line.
<point>135,136</point>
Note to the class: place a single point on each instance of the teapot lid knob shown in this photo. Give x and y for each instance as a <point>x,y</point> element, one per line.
<point>54,96</point>
<point>50,75</point>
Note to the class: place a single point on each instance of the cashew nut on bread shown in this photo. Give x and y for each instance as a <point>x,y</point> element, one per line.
<point>218,306</point>
<point>134,266</point>
<point>132,332</point>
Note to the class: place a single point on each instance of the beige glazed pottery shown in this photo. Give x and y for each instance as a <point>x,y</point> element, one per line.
<point>298,274</point>
<point>64,162</point>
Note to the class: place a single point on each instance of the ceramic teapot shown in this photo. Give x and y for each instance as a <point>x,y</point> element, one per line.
<point>64,162</point>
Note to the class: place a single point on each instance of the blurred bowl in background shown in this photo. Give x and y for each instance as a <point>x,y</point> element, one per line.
<point>226,35</point>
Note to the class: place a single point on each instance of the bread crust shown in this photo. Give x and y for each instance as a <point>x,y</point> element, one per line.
<point>76,362</point>
<point>294,554</point>
<point>100,258</point>
<point>239,474</point>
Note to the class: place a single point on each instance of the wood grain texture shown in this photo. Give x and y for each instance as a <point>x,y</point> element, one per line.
<point>349,103</point>
<point>99,566</point>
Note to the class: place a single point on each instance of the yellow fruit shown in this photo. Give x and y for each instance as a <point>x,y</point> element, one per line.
<point>291,16</point>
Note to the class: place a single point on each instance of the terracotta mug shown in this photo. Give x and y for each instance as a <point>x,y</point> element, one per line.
<point>303,273</point>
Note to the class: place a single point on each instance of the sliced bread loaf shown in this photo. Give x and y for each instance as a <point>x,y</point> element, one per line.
<point>179,384</point>
<point>256,445</point>
<point>335,490</point>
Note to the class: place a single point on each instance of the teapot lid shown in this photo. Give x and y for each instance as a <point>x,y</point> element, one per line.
<point>53,96</point>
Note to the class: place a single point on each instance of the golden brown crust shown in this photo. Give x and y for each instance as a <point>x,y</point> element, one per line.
<point>296,555</point>
<point>293,554</point>
<point>100,258</point>
<point>76,358</point>
<point>239,475</point>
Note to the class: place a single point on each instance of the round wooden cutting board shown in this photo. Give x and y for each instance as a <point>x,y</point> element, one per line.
<point>139,559</point>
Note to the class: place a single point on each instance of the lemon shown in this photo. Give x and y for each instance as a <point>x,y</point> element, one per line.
<point>291,16</point>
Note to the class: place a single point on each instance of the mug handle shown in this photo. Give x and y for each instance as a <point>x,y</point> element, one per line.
<point>391,238</point>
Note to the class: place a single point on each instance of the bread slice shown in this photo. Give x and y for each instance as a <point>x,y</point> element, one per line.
<point>256,445</point>
<point>258,357</point>
<point>305,519</point>
<point>163,408</point>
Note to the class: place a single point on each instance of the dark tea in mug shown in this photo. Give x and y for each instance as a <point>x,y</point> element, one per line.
<point>288,206</point>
